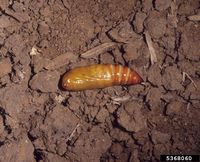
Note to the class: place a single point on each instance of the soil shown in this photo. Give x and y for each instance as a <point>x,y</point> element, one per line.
<point>39,122</point>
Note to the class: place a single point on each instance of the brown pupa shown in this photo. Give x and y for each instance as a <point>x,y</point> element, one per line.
<point>99,76</point>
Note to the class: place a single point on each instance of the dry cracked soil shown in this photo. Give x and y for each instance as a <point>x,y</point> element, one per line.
<point>42,39</point>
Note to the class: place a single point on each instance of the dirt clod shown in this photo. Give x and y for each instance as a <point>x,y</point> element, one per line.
<point>45,81</point>
<point>5,67</point>
<point>123,33</point>
<point>131,117</point>
<point>162,5</point>
<point>19,150</point>
<point>139,22</point>
<point>172,78</point>
<point>156,25</point>
<point>159,137</point>
<point>174,108</point>
<point>60,61</point>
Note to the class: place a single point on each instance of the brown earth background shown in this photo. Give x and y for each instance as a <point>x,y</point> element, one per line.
<point>39,122</point>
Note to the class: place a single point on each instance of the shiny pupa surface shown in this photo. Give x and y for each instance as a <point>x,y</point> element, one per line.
<point>99,76</point>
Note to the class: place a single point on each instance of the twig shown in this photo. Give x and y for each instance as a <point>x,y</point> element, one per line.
<point>153,56</point>
<point>184,76</point>
<point>98,50</point>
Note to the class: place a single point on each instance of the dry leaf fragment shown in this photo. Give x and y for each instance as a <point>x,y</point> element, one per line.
<point>98,50</point>
<point>34,51</point>
<point>153,56</point>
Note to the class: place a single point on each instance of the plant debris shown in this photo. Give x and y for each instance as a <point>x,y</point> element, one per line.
<point>189,77</point>
<point>153,57</point>
<point>194,18</point>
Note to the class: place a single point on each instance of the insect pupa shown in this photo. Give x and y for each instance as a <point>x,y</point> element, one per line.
<point>99,76</point>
